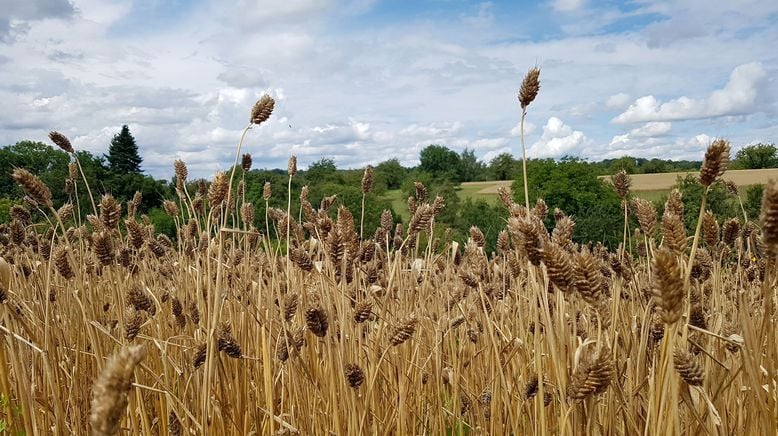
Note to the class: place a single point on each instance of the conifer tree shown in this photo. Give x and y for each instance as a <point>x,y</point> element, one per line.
<point>123,156</point>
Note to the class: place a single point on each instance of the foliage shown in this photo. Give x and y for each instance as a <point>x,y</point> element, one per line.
<point>163,223</point>
<point>390,173</point>
<point>753,201</point>
<point>123,156</point>
<point>504,167</point>
<point>322,170</point>
<point>490,218</point>
<point>440,161</point>
<point>756,156</point>
<point>51,166</point>
<point>719,201</point>
<point>638,165</point>
<point>572,186</point>
<point>470,168</point>
<point>5,210</point>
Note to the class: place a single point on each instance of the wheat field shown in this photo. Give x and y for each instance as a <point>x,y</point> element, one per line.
<point>303,322</point>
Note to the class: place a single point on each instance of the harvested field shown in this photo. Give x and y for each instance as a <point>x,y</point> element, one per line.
<point>665,181</point>
<point>644,182</point>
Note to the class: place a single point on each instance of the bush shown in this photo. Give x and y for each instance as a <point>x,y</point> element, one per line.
<point>753,201</point>
<point>572,185</point>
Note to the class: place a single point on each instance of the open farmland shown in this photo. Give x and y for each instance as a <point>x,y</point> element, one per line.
<point>665,181</point>
<point>640,182</point>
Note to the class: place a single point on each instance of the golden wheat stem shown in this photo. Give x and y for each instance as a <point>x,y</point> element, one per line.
<point>690,263</point>
<point>237,155</point>
<point>362,219</point>
<point>626,221</point>
<point>370,387</point>
<point>214,322</point>
<point>6,387</point>
<point>742,209</point>
<point>524,162</point>
<point>86,183</point>
<point>289,220</point>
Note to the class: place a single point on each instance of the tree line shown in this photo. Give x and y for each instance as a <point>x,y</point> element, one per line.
<point>569,184</point>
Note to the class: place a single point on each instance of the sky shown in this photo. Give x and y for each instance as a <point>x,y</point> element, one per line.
<point>363,81</point>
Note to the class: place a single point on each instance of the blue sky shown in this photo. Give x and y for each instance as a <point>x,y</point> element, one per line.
<point>361,81</point>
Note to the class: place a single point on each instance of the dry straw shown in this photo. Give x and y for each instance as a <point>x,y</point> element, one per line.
<point>61,141</point>
<point>262,109</point>
<point>715,163</point>
<point>245,162</point>
<point>111,390</point>
<point>33,186</point>
<point>622,182</point>
<point>668,285</point>
<point>769,215</point>
<point>529,87</point>
<point>403,314</point>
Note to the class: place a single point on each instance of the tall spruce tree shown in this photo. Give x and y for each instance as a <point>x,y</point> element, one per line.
<point>123,157</point>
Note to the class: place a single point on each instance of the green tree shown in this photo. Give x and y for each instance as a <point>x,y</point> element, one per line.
<point>654,166</point>
<point>757,156</point>
<point>470,168</point>
<point>721,203</point>
<point>572,185</point>
<point>5,210</point>
<point>49,164</point>
<point>123,157</point>
<point>504,167</point>
<point>322,170</point>
<point>440,161</point>
<point>490,218</point>
<point>626,163</point>
<point>753,201</point>
<point>390,173</point>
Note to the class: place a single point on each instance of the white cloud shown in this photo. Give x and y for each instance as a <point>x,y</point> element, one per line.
<point>567,5</point>
<point>494,153</point>
<point>662,147</point>
<point>529,128</point>
<point>618,101</point>
<point>737,97</point>
<point>362,91</point>
<point>654,128</point>
<point>558,140</point>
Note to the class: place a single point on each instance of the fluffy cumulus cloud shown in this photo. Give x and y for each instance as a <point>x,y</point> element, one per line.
<point>739,96</point>
<point>362,81</point>
<point>617,101</point>
<point>558,140</point>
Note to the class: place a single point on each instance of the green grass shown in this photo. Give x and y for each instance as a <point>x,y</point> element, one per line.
<point>654,196</point>
<point>400,205</point>
<point>469,191</point>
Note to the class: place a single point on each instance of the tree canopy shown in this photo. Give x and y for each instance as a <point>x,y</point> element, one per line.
<point>440,161</point>
<point>757,156</point>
